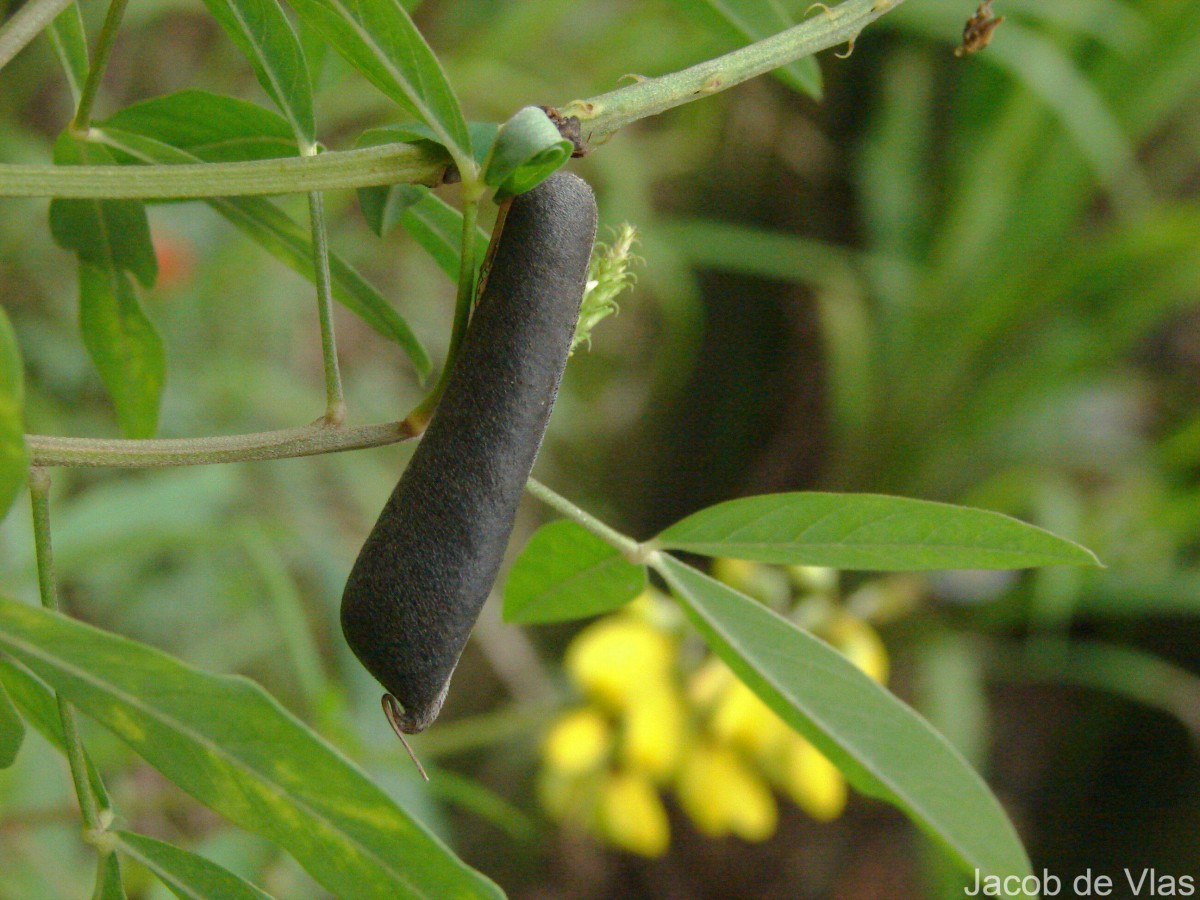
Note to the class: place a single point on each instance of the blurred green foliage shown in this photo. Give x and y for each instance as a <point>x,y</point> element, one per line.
<point>969,280</point>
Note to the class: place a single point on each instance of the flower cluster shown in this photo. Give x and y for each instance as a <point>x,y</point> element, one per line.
<point>661,714</point>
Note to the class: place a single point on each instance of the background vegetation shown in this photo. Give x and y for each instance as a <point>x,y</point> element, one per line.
<point>967,280</point>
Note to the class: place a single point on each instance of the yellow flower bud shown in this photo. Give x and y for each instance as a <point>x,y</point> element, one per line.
<point>814,579</point>
<point>578,742</point>
<point>723,796</point>
<point>765,583</point>
<point>709,682</point>
<point>654,731</point>
<point>741,718</point>
<point>813,781</point>
<point>618,656</point>
<point>861,644</point>
<point>632,815</point>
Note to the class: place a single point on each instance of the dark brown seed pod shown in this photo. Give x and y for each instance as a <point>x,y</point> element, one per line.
<point>429,563</point>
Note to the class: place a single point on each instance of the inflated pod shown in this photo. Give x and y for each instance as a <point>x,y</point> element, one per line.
<point>427,567</point>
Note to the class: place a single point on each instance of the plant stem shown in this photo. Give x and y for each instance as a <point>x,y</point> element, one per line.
<point>385,164</point>
<point>27,23</point>
<point>104,45</point>
<point>632,550</point>
<point>421,415</point>
<point>39,495</point>
<point>824,28</point>
<point>392,163</point>
<point>309,440</point>
<point>335,400</point>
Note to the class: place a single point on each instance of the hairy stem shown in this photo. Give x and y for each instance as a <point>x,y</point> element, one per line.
<point>27,23</point>
<point>385,164</point>
<point>823,28</point>
<point>392,163</point>
<point>310,440</point>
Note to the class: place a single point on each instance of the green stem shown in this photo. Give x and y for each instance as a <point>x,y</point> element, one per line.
<point>824,28</point>
<point>464,299</point>
<point>393,163</point>
<point>104,45</point>
<point>386,164</point>
<point>29,21</point>
<point>287,443</point>
<point>39,495</point>
<point>335,400</point>
<point>634,552</point>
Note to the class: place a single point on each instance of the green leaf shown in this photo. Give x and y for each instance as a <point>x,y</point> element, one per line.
<point>12,730</point>
<point>527,150</point>
<point>746,21</point>
<point>187,875</point>
<point>437,227</point>
<point>276,232</point>
<point>70,46</point>
<point>869,531</point>
<point>41,711</point>
<point>124,345</point>
<point>110,886</point>
<point>378,38</point>
<point>14,455</point>
<point>565,572</point>
<point>265,36</point>
<point>210,127</point>
<point>233,747</point>
<point>881,745</point>
<point>110,233</point>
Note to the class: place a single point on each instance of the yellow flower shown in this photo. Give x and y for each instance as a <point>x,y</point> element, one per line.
<point>741,718</point>
<point>632,815</point>
<point>813,781</point>
<point>861,644</point>
<point>578,742</point>
<point>617,657</point>
<point>765,583</point>
<point>814,579</point>
<point>654,731</point>
<point>709,682</point>
<point>723,796</point>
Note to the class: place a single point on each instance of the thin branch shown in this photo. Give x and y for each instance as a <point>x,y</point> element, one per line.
<point>335,399</point>
<point>39,496</point>
<point>385,164</point>
<point>287,443</point>
<point>824,28</point>
<point>632,550</point>
<point>425,164</point>
<point>104,45</point>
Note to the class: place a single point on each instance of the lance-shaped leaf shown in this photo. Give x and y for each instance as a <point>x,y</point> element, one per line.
<point>12,730</point>
<point>110,886</point>
<point>227,742</point>
<point>881,745</point>
<point>378,38</point>
<point>124,345</point>
<point>869,531</point>
<point>265,36</point>
<point>187,875</point>
<point>566,572</point>
<point>212,128</point>
<point>70,46</point>
<point>14,455</point>
<point>41,710</point>
<point>110,233</point>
